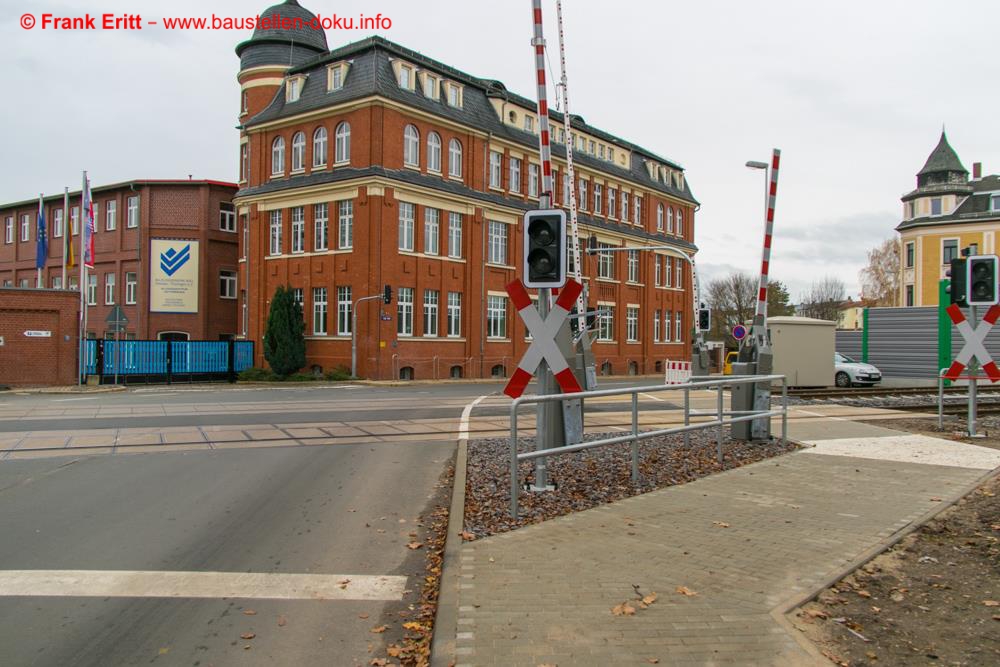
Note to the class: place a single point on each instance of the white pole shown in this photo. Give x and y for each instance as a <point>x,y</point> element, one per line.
<point>67,238</point>
<point>83,283</point>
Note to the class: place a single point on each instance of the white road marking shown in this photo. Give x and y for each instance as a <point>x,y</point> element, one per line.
<point>655,398</point>
<point>910,448</point>
<point>463,426</point>
<point>172,584</point>
<point>84,398</point>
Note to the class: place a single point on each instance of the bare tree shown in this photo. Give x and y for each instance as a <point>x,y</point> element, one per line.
<point>823,299</point>
<point>733,300</point>
<point>880,279</point>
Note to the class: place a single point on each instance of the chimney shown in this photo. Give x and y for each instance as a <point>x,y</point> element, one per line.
<point>977,170</point>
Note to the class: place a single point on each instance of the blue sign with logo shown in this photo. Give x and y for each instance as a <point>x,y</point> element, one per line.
<point>739,332</point>
<point>172,260</point>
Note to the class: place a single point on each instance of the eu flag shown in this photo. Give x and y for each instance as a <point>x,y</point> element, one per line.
<point>42,238</point>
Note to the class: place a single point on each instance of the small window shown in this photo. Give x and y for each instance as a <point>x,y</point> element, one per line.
<point>278,156</point>
<point>298,151</point>
<point>455,158</point>
<point>434,152</point>
<point>335,80</point>
<point>227,217</point>
<point>319,147</point>
<point>405,77</point>
<point>995,203</point>
<point>406,373</point>
<point>110,212</point>
<point>293,89</point>
<point>936,206</point>
<point>342,143</point>
<point>454,95</point>
<point>411,146</point>
<point>498,371</point>
<point>949,250</point>
<point>456,372</point>
<point>227,284</point>
<point>909,255</point>
<point>909,295</point>
<point>529,124</point>
<point>132,219</point>
<point>430,87</point>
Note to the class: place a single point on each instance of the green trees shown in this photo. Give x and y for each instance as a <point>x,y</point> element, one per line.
<point>284,337</point>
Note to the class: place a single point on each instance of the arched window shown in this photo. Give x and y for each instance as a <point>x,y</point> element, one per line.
<point>278,156</point>
<point>319,147</point>
<point>498,371</point>
<point>298,151</point>
<point>606,368</point>
<point>342,140</point>
<point>680,222</point>
<point>670,219</point>
<point>455,158</point>
<point>406,373</point>
<point>659,217</point>
<point>411,146</point>
<point>456,371</point>
<point>434,152</point>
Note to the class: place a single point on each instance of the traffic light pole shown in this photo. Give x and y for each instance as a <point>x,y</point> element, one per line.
<point>354,332</point>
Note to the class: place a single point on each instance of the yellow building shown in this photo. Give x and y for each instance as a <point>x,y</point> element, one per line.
<point>851,315</point>
<point>947,212</point>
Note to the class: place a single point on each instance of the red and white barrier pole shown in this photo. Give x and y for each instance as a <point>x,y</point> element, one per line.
<point>760,318</point>
<point>544,149</point>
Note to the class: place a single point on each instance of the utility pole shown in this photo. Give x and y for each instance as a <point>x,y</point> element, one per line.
<point>386,297</point>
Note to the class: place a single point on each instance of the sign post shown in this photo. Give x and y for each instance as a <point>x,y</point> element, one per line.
<point>116,321</point>
<point>973,354</point>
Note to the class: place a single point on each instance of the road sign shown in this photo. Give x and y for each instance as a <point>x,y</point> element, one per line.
<point>116,317</point>
<point>973,343</point>
<point>38,334</point>
<point>739,332</point>
<point>543,338</point>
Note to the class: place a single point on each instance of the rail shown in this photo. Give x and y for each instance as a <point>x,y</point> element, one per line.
<point>635,436</point>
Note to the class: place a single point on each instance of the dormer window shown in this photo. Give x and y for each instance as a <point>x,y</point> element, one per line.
<point>430,86</point>
<point>293,89</point>
<point>936,206</point>
<point>512,117</point>
<point>611,154</point>
<point>995,203</point>
<point>454,94</point>
<point>600,151</point>
<point>529,124</point>
<point>406,77</point>
<point>335,75</point>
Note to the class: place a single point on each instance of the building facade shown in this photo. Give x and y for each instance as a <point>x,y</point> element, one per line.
<point>373,165</point>
<point>133,221</point>
<point>947,212</point>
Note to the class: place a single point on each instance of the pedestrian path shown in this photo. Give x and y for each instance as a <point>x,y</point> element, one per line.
<point>726,555</point>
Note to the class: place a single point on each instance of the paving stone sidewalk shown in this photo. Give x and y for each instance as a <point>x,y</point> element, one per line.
<point>544,594</point>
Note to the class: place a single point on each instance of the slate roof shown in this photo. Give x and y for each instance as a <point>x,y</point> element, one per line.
<point>942,159</point>
<point>974,208</point>
<point>371,73</point>
<point>276,44</point>
<point>413,177</point>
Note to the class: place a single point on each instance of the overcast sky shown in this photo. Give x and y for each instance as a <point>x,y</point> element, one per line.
<point>854,93</point>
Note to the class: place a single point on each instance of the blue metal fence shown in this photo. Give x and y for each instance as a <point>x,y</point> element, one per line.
<point>169,361</point>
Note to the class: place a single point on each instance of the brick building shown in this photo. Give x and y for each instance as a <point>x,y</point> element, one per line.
<point>133,219</point>
<point>38,336</point>
<point>372,164</point>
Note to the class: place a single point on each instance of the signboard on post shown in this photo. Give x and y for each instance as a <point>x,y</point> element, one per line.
<point>173,276</point>
<point>974,339</point>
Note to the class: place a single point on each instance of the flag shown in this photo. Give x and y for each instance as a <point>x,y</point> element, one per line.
<point>42,238</point>
<point>88,227</point>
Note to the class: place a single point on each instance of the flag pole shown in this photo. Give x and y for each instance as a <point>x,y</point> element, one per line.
<point>66,235</point>
<point>38,239</point>
<point>83,284</point>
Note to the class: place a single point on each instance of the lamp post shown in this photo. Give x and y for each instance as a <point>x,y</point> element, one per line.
<point>755,331</point>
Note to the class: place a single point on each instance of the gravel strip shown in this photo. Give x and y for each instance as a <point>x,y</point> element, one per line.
<point>587,479</point>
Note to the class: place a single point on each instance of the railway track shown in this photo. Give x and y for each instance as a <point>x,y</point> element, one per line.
<point>872,392</point>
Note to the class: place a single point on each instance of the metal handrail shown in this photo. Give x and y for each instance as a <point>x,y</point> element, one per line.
<point>635,436</point>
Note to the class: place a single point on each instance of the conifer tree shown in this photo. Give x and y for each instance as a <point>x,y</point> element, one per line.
<point>284,337</point>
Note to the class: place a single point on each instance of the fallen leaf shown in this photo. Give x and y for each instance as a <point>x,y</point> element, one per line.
<point>896,597</point>
<point>935,499</point>
<point>996,617</point>
<point>379,629</point>
<point>248,635</point>
<point>282,622</point>
<point>414,545</point>
<point>653,661</point>
<point>351,509</point>
<point>684,590</point>
<point>817,613</point>
<point>466,535</point>
<point>249,612</point>
<point>623,609</point>
<point>720,524</point>
<point>165,650</point>
<point>991,603</point>
<point>247,647</point>
<point>876,609</point>
<point>394,651</point>
<point>412,626</point>
<point>378,662</point>
<point>649,599</point>
<point>362,615</point>
<point>343,583</point>
<point>864,594</point>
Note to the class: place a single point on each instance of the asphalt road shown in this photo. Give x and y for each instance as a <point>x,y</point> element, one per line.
<point>344,510</point>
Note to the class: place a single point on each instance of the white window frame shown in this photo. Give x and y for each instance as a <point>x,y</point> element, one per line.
<point>345,224</point>
<point>454,315</point>
<point>496,317</point>
<point>321,227</point>
<point>432,231</point>
<point>320,310</point>
<point>605,262</point>
<point>335,77</point>
<point>657,270</point>
<point>659,217</point>
<point>637,210</point>
<point>298,230</point>
<point>293,89</point>
<point>529,123</point>
<point>342,143</point>
<point>958,245</point>
<point>679,327</point>
<point>514,165</point>
<point>669,266</point>
<point>411,146</point>
<point>298,152</point>
<point>406,215</point>
<point>533,180</point>
<point>497,243</point>
<point>598,198</point>
<point>454,235</point>
<point>434,152</point>
<point>455,158</point>
<point>25,227</point>
<point>278,156</point>
<point>670,219</point>
<point>679,274</point>
<point>320,146</point>
<point>909,254</point>
<point>612,203</point>
<point>631,324</point>
<point>132,219</point>
<point>227,284</point>
<point>345,307</point>
<point>91,289</point>
<point>131,287</point>
<point>432,323</point>
<point>668,318</point>
<point>244,162</point>
<point>581,201</point>
<point>58,225</point>
<point>404,312</point>
<point>606,323</point>
<point>656,326</point>
<point>632,263</point>
<point>227,217</point>
<point>625,209</point>
<point>496,170</point>
<point>110,217</point>
<point>109,289</point>
<point>275,229</point>
<point>680,222</point>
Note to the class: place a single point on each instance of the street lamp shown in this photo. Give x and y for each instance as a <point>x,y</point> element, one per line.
<point>763,166</point>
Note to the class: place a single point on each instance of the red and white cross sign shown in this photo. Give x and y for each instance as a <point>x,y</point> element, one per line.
<point>543,338</point>
<point>974,346</point>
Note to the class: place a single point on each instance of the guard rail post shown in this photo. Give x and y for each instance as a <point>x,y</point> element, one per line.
<point>635,438</point>
<point>513,458</point>
<point>784,411</point>
<point>941,399</point>
<point>687,415</point>
<point>720,431</point>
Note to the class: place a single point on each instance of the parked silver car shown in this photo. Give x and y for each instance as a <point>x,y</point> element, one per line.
<point>849,373</point>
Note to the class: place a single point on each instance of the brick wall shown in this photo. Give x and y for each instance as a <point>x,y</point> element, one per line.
<point>38,360</point>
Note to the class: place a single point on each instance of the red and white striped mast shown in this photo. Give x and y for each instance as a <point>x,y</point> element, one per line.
<point>758,332</point>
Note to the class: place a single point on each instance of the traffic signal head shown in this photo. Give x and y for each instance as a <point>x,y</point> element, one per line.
<point>704,319</point>
<point>545,248</point>
<point>982,280</point>
<point>387,293</point>
<point>957,290</point>
<point>592,244</point>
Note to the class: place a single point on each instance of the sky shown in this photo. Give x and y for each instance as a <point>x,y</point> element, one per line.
<point>853,93</point>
